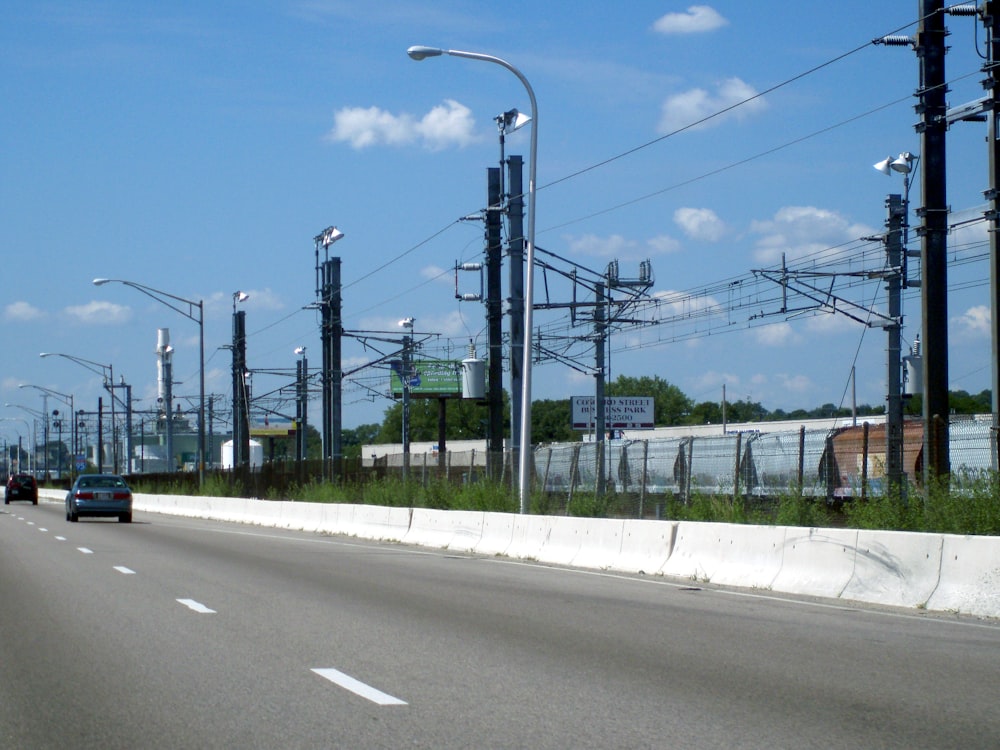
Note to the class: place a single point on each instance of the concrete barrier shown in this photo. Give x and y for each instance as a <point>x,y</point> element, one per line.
<point>970,576</point>
<point>458,530</point>
<point>932,571</point>
<point>498,534</point>
<point>529,535</point>
<point>817,562</point>
<point>896,568</point>
<point>646,546</point>
<point>727,554</point>
<point>601,545</point>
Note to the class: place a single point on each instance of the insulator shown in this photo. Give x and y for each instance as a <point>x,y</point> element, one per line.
<point>894,40</point>
<point>470,297</point>
<point>963,10</point>
<point>471,267</point>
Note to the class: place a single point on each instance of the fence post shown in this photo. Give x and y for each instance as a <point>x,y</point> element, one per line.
<point>831,467</point>
<point>574,465</point>
<point>736,472</point>
<point>644,477</point>
<point>545,474</point>
<point>802,458</point>
<point>864,461</point>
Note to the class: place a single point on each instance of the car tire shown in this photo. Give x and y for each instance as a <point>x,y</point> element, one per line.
<point>35,501</point>
<point>125,518</point>
<point>74,517</point>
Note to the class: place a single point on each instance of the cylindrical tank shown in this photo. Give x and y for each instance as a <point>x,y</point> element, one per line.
<point>256,454</point>
<point>474,379</point>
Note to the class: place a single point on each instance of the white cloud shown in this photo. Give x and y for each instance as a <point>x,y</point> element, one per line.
<point>688,107</point>
<point>776,334</point>
<point>674,304</point>
<point>973,323</point>
<point>697,19</point>
<point>797,231</point>
<point>663,244</point>
<point>700,224</point>
<point>99,312</point>
<point>440,275</point>
<point>22,312</point>
<point>794,383</point>
<point>445,125</point>
<point>613,246</point>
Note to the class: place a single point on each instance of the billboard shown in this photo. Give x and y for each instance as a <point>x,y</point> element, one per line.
<point>429,378</point>
<point>620,412</point>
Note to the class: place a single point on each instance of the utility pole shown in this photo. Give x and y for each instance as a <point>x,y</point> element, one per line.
<point>515,217</point>
<point>933,108</point>
<point>894,401</point>
<point>600,332</point>
<point>494,323</point>
<point>301,411</point>
<point>405,376</point>
<point>241,421</point>
<point>991,8</point>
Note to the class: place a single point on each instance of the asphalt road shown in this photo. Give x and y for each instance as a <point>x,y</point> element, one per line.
<point>177,633</point>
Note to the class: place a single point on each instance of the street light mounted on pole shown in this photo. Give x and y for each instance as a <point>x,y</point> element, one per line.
<point>176,304</point>
<point>66,399</point>
<point>524,468</point>
<point>108,373</point>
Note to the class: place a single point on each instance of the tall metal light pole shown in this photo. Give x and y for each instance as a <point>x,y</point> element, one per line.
<point>165,298</point>
<point>108,373</point>
<point>329,293</point>
<point>66,399</point>
<point>524,467</point>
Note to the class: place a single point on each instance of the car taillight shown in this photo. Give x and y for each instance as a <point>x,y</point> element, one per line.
<point>81,495</point>
<point>123,495</point>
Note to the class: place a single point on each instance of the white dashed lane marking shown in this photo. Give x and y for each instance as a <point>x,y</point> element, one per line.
<point>196,606</point>
<point>358,688</point>
<point>124,571</point>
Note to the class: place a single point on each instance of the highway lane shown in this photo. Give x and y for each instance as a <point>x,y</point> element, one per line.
<point>180,633</point>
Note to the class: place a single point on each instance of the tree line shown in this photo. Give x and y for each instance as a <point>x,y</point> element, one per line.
<point>550,418</point>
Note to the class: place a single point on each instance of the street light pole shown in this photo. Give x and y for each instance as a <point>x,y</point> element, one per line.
<point>164,298</point>
<point>66,399</point>
<point>524,467</point>
<point>108,373</point>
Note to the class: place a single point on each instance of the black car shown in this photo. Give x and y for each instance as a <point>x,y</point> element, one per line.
<point>21,487</point>
<point>99,495</point>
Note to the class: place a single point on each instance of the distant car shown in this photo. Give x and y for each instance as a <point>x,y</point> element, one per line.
<point>21,487</point>
<point>99,495</point>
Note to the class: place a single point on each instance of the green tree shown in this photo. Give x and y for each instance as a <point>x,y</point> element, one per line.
<point>352,439</point>
<point>670,405</point>
<point>465,420</point>
<point>550,422</point>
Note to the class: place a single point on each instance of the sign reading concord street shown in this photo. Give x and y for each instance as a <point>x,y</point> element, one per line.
<point>620,412</point>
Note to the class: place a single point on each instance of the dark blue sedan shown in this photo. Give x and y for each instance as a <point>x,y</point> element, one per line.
<point>99,495</point>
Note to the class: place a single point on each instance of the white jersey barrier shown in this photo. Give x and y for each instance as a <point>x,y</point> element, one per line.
<point>938,572</point>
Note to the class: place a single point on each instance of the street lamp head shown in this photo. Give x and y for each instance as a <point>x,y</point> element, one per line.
<point>883,166</point>
<point>419,52</point>
<point>902,163</point>
<point>512,120</point>
<point>300,350</point>
<point>240,297</point>
<point>329,236</point>
<point>407,322</point>
<point>100,282</point>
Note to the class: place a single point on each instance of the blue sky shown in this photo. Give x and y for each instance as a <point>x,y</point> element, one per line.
<point>199,147</point>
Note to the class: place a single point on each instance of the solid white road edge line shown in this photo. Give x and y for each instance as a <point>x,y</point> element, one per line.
<point>358,688</point>
<point>196,606</point>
